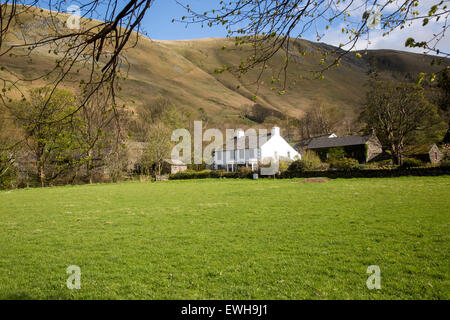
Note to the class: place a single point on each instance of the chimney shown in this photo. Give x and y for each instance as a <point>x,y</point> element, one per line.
<point>275,131</point>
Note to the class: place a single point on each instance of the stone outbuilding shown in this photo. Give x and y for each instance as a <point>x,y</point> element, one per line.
<point>363,148</point>
<point>427,153</point>
<point>172,166</point>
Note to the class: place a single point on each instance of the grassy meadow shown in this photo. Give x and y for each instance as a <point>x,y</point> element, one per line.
<point>228,239</point>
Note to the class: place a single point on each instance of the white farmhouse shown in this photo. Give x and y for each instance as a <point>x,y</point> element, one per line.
<point>249,150</point>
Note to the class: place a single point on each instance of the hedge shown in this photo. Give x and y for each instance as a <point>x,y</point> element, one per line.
<point>369,173</point>
<point>332,174</point>
<point>209,174</point>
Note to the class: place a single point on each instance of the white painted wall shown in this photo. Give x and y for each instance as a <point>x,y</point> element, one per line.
<point>274,148</point>
<point>277,147</point>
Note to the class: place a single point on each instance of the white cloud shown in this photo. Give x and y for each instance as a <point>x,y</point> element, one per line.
<point>396,39</point>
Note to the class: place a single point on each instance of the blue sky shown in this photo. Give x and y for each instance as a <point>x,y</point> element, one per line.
<point>158,22</point>
<point>158,25</point>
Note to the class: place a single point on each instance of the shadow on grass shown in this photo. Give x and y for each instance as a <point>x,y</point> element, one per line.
<point>18,296</point>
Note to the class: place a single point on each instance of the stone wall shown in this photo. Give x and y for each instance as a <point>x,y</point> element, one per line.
<point>435,154</point>
<point>374,148</point>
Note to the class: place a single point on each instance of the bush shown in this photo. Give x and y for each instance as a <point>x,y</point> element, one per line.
<point>370,173</point>
<point>411,163</point>
<point>323,167</point>
<point>192,174</point>
<point>297,166</point>
<point>245,172</point>
<point>344,164</point>
<point>284,165</point>
<point>336,153</point>
<point>446,152</point>
<point>383,164</point>
<point>311,160</point>
<point>197,167</point>
<point>445,163</point>
<point>204,174</point>
<point>362,167</point>
<point>8,177</point>
<point>8,180</point>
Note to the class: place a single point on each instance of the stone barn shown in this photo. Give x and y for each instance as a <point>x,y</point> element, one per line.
<point>363,148</point>
<point>173,166</point>
<point>427,154</point>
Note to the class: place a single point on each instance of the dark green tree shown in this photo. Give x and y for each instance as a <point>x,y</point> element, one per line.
<point>399,114</point>
<point>443,100</point>
<point>9,148</point>
<point>52,138</point>
<point>158,147</point>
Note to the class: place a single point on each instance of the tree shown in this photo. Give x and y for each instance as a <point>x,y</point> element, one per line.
<point>398,112</point>
<point>158,147</point>
<point>101,137</point>
<point>76,43</point>
<point>55,144</point>
<point>9,148</point>
<point>87,50</point>
<point>444,86</point>
<point>260,114</point>
<point>116,161</point>
<point>320,120</point>
<point>443,99</point>
<point>336,153</point>
<point>290,125</point>
<point>91,52</point>
<point>158,110</point>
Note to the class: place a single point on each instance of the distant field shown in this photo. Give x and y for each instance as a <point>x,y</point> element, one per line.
<point>228,239</point>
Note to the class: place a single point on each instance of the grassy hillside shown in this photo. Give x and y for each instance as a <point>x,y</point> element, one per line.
<point>183,72</point>
<point>207,239</point>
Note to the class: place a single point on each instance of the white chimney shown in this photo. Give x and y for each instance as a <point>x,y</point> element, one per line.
<point>275,131</point>
<point>240,133</point>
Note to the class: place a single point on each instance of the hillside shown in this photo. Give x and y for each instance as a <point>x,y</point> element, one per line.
<point>183,72</point>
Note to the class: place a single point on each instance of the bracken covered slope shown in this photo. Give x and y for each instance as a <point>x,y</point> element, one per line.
<point>183,72</point>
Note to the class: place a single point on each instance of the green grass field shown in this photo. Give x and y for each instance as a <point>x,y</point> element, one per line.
<point>228,239</point>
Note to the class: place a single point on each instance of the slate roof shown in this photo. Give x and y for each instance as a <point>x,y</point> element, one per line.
<point>174,162</point>
<point>421,149</point>
<point>327,142</point>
